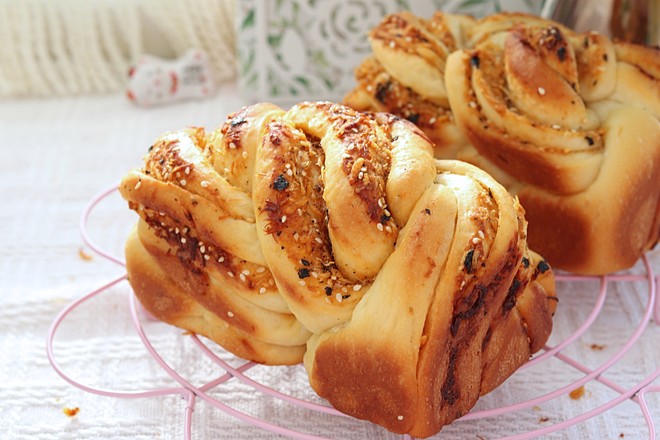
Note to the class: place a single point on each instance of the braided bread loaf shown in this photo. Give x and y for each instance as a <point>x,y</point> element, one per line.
<point>568,122</point>
<point>333,236</point>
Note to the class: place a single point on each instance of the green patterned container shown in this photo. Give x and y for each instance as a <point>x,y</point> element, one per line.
<point>294,50</point>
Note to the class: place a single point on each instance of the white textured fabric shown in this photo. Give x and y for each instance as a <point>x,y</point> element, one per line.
<point>57,155</point>
<point>73,47</point>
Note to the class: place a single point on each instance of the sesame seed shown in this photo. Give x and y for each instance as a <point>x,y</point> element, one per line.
<point>262,290</point>
<point>392,44</point>
<point>338,297</point>
<point>318,240</point>
<point>363,169</point>
<point>183,239</point>
<point>399,417</point>
<point>344,289</point>
<point>357,287</point>
<point>183,182</point>
<point>232,145</point>
<point>138,184</point>
<point>388,228</point>
<point>296,236</point>
<point>176,231</point>
<point>246,272</point>
<point>360,175</point>
<point>230,314</point>
<point>202,249</point>
<point>283,219</point>
<point>432,121</point>
<point>556,126</point>
<point>187,171</point>
<point>327,299</point>
<point>476,240</point>
<point>231,274</point>
<point>301,282</point>
<point>289,172</point>
<point>541,91</point>
<point>261,269</point>
<point>206,257</point>
<point>271,282</point>
<point>204,183</point>
<point>481,235</point>
<point>244,154</point>
<point>226,170</point>
<point>221,259</point>
<point>472,104</point>
<point>241,276</point>
<point>379,226</point>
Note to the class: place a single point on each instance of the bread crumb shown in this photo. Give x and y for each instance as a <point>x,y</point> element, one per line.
<point>71,412</point>
<point>84,255</point>
<point>577,393</point>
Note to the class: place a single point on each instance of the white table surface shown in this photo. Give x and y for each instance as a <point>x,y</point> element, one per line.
<point>59,153</point>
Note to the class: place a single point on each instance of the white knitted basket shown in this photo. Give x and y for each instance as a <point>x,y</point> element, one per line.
<point>72,47</point>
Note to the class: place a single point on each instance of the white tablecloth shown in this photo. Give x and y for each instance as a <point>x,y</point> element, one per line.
<point>57,154</point>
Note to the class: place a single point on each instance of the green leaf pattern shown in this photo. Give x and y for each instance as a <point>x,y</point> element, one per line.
<point>291,50</point>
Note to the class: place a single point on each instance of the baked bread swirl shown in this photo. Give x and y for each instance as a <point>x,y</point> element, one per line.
<point>333,236</point>
<point>572,120</point>
<point>405,75</point>
<point>447,327</point>
<point>194,260</point>
<point>567,121</point>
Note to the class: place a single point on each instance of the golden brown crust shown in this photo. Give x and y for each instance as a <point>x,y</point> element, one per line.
<point>402,275</point>
<point>589,138</point>
<point>534,103</point>
<point>331,182</point>
<point>405,77</point>
<point>170,301</point>
<point>626,229</point>
<point>449,327</point>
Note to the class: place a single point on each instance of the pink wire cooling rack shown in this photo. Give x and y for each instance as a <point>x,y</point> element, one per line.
<point>194,393</point>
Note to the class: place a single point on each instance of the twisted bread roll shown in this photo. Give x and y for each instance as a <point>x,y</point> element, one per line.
<point>194,260</point>
<point>447,329</point>
<point>335,235</point>
<point>405,75</point>
<point>572,121</point>
<point>568,122</point>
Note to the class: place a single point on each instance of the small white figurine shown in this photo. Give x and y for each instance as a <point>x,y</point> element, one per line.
<point>155,80</point>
